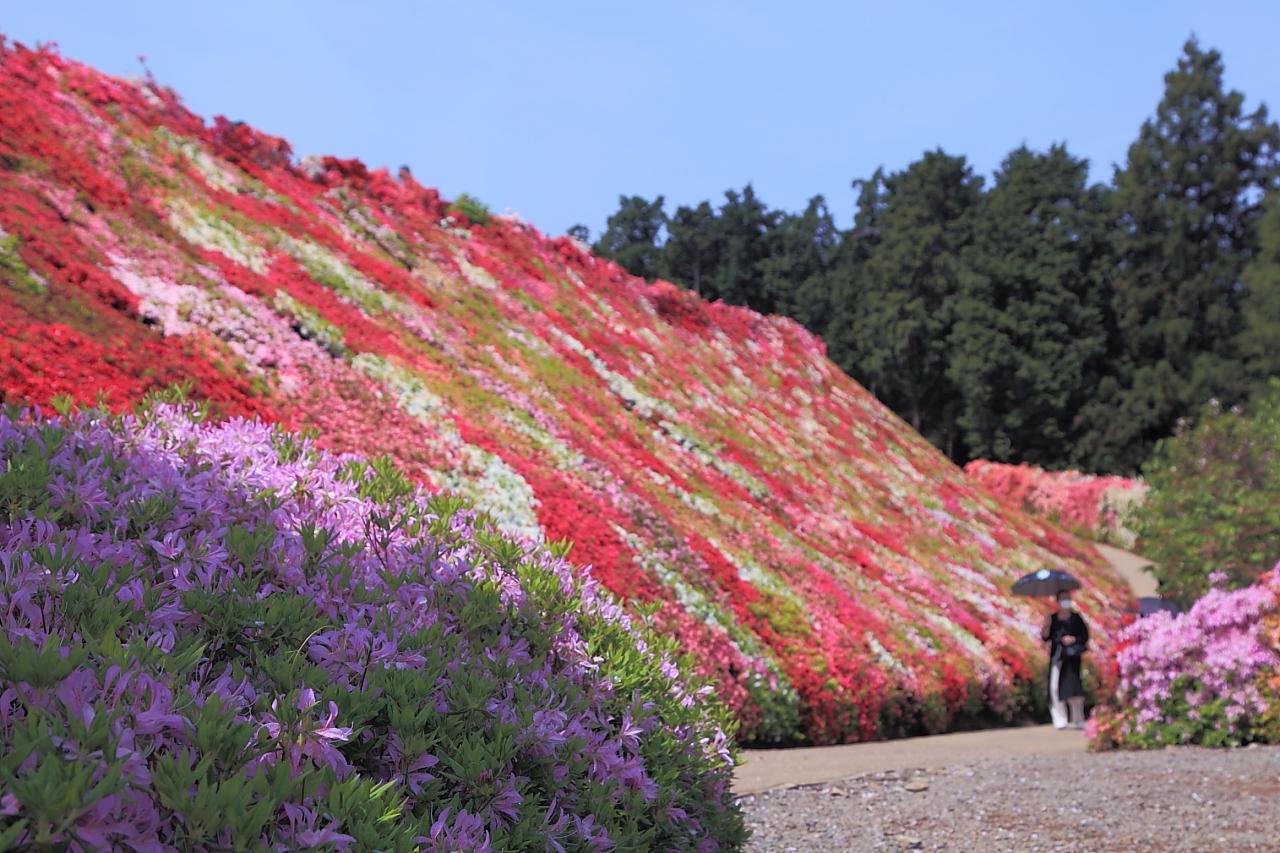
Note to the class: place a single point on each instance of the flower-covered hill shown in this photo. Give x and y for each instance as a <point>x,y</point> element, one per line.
<point>836,576</point>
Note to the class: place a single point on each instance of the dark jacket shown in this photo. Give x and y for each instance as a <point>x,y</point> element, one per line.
<point>1070,684</point>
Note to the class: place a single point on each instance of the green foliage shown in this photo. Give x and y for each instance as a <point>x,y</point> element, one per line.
<point>744,242</point>
<point>472,208</point>
<point>1260,306</point>
<point>178,394</point>
<point>691,253</point>
<point>631,236</point>
<point>1184,724</point>
<point>24,481</point>
<point>1028,340</point>
<point>1214,503</point>
<point>1187,206</point>
<point>780,721</point>
<point>896,312</point>
<point>794,275</point>
<point>13,270</point>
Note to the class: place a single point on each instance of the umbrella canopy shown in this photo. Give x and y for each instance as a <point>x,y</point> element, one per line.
<point>1045,582</point>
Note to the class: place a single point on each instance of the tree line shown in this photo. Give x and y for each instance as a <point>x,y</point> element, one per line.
<point>1039,318</point>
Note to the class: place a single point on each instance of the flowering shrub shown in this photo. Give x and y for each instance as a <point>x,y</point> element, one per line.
<point>1214,505</point>
<point>1099,507</point>
<point>1208,676</point>
<point>219,637</point>
<point>833,575</point>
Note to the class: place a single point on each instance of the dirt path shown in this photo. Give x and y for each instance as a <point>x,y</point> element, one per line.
<point>1130,567</point>
<point>763,769</point>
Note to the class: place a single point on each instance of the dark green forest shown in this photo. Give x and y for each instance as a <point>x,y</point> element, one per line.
<point>1033,318</point>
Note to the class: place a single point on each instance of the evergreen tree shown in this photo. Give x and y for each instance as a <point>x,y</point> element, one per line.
<point>1187,205</point>
<point>843,285</point>
<point>866,219</point>
<point>1259,340</point>
<point>691,253</point>
<point>794,278</point>
<point>745,235</point>
<point>897,309</point>
<point>1029,334</point>
<point>632,236</point>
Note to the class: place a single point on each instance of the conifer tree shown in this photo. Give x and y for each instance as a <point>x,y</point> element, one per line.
<point>1259,340</point>
<point>899,305</point>
<point>1029,334</point>
<point>632,236</point>
<point>691,253</point>
<point>1187,205</point>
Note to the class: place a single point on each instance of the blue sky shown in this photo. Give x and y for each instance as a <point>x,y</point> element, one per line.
<point>553,109</point>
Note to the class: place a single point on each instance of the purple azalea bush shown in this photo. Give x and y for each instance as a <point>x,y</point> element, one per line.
<point>1207,676</point>
<point>216,637</point>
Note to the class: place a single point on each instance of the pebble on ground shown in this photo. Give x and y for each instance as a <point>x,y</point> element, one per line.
<point>1172,800</point>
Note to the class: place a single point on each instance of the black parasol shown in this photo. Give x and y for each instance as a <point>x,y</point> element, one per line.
<point>1045,582</point>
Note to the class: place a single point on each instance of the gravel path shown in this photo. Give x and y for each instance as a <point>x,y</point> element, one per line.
<point>1185,799</point>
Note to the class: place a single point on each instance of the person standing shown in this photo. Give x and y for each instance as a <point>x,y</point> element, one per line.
<point>1068,638</point>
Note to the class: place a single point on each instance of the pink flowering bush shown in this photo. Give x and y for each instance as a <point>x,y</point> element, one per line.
<point>217,637</point>
<point>1095,506</point>
<point>1206,677</point>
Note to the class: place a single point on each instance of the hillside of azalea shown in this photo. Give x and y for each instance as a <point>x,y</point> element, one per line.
<point>1098,507</point>
<point>835,576</point>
